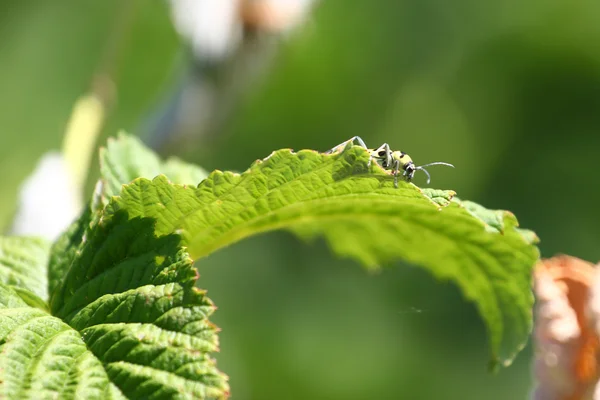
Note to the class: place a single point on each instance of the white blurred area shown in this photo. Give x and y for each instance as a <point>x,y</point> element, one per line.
<point>215,28</point>
<point>49,200</point>
<point>210,26</point>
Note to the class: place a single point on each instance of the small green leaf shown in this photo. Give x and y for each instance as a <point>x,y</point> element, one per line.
<point>181,172</point>
<point>361,215</point>
<point>126,158</point>
<point>30,298</point>
<point>23,263</point>
<point>64,250</point>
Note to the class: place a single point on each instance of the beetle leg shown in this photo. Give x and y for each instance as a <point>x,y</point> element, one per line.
<point>358,139</point>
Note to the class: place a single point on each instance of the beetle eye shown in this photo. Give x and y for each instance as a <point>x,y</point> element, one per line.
<point>381,153</point>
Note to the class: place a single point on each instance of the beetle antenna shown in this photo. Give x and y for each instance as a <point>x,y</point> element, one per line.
<point>426,173</point>
<point>420,167</point>
<point>438,163</point>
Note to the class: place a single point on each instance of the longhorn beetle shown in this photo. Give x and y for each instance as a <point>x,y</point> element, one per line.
<point>393,161</point>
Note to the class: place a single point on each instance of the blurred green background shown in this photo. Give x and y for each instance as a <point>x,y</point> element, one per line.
<point>509,92</point>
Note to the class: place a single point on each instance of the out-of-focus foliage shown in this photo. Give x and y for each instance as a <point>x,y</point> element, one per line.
<point>508,91</point>
<point>125,159</point>
<point>50,52</point>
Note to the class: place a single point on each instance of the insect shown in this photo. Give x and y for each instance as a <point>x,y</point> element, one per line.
<point>393,161</point>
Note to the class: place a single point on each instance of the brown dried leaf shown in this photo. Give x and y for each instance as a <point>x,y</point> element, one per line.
<point>567,343</point>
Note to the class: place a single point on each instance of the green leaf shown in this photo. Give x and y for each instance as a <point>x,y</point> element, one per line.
<point>126,158</point>
<point>64,250</point>
<point>131,296</point>
<point>181,172</point>
<point>23,262</point>
<point>362,216</point>
<point>132,324</point>
<point>44,358</point>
